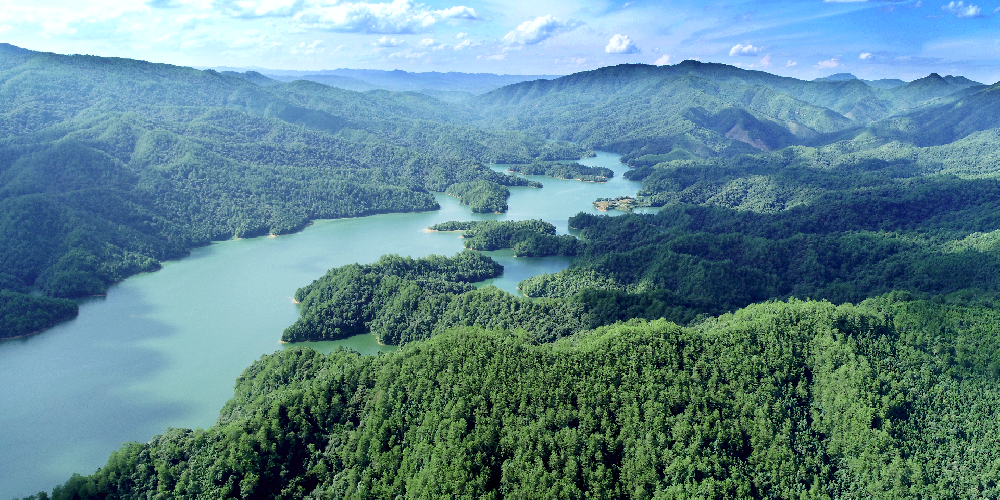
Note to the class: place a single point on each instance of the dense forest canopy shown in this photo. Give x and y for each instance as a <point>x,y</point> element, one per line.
<point>109,166</point>
<point>811,313</point>
<point>892,398</point>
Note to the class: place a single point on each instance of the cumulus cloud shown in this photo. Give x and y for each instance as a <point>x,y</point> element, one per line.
<point>426,42</point>
<point>766,61</point>
<point>464,44</point>
<point>398,16</point>
<point>494,57</point>
<point>829,63</point>
<point>621,44</point>
<point>865,56</point>
<point>407,54</point>
<point>961,10</point>
<point>791,63</point>
<point>744,50</point>
<point>388,42</point>
<point>539,29</point>
<point>259,8</point>
<point>663,60</point>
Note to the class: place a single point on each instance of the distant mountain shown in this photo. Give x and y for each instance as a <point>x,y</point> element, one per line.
<point>398,80</point>
<point>837,77</point>
<point>976,111</point>
<point>341,82</point>
<point>704,108</point>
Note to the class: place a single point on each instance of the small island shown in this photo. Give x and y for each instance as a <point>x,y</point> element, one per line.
<point>528,238</point>
<point>623,203</point>
<point>568,171</point>
<point>482,196</point>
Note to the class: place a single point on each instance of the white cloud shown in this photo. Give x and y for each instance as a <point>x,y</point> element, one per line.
<point>60,20</point>
<point>621,44</point>
<point>538,30</point>
<point>464,45</point>
<point>255,8</point>
<point>461,35</point>
<point>386,41</point>
<point>961,10</point>
<point>829,63</point>
<point>791,63</point>
<point>398,16</point>
<point>307,49</point>
<point>494,57</point>
<point>460,12</point>
<point>744,50</point>
<point>865,56</point>
<point>663,60</point>
<point>426,42</point>
<point>766,61</point>
<point>407,54</point>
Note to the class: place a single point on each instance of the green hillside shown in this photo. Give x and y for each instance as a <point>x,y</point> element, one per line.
<point>889,399</point>
<point>704,108</point>
<point>811,312</point>
<point>109,166</point>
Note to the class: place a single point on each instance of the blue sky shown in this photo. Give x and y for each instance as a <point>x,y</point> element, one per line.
<point>804,39</point>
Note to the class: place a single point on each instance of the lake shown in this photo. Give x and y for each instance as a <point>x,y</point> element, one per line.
<point>164,349</point>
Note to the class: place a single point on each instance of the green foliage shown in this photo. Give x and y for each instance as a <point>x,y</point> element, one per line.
<point>22,314</point>
<point>694,260</point>
<point>400,300</point>
<point>528,238</point>
<point>109,166</point>
<point>455,225</point>
<point>482,196</point>
<point>892,398</point>
<point>573,171</point>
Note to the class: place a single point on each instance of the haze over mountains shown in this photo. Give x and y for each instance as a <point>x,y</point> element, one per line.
<point>449,86</point>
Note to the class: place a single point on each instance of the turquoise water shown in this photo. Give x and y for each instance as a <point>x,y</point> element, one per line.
<point>163,349</point>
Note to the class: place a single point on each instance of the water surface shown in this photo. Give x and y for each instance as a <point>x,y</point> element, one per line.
<point>163,349</point>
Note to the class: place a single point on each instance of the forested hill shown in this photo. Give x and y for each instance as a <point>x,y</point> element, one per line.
<point>704,108</point>
<point>891,399</point>
<point>108,166</point>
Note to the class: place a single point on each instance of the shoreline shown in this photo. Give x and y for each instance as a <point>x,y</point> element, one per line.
<point>560,178</point>
<point>36,332</point>
<point>187,253</point>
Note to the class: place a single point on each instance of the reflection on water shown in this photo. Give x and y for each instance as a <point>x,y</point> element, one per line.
<point>163,349</point>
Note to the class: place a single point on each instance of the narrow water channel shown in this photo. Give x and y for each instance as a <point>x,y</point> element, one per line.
<point>163,349</point>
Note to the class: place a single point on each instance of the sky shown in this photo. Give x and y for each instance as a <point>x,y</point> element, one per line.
<point>803,39</point>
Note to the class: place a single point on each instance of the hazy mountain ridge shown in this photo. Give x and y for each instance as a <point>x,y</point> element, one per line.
<point>361,80</point>
<point>647,107</point>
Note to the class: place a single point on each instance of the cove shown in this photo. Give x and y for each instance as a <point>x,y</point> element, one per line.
<point>163,349</point>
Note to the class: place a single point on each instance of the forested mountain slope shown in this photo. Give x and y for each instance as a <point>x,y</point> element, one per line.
<point>772,190</point>
<point>702,108</point>
<point>108,166</point>
<point>892,398</point>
